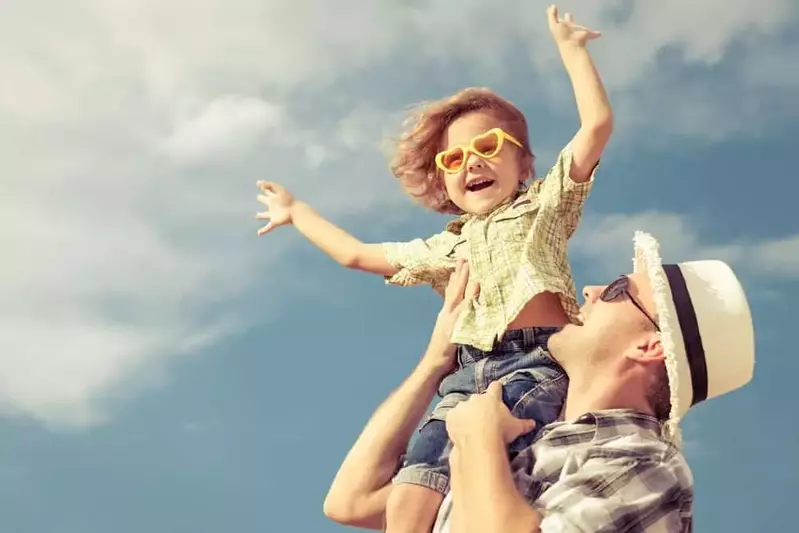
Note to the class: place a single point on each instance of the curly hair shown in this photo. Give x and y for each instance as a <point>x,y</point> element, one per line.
<point>413,163</point>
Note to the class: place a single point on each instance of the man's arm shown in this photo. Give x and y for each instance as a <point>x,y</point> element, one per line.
<point>593,107</point>
<point>360,489</point>
<point>484,496</point>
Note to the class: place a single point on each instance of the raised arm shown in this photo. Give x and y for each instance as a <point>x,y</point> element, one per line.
<point>593,107</point>
<point>360,489</point>
<point>346,250</point>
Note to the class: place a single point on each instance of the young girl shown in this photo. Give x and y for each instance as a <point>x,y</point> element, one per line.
<point>470,155</point>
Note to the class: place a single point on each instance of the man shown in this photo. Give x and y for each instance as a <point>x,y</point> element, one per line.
<point>652,345</point>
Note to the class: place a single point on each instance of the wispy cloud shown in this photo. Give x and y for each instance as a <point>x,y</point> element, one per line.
<point>606,240</point>
<point>133,132</point>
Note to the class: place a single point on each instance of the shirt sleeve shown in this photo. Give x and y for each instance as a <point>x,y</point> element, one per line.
<point>609,495</point>
<point>558,190</point>
<point>422,261</point>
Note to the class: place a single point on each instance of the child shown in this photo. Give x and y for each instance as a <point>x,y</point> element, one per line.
<point>470,155</point>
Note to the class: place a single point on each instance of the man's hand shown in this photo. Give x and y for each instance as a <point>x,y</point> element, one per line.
<point>485,415</point>
<point>460,291</point>
<point>278,202</point>
<point>566,31</point>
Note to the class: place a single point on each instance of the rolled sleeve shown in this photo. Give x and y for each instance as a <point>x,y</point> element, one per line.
<point>422,261</point>
<point>606,496</point>
<point>559,190</point>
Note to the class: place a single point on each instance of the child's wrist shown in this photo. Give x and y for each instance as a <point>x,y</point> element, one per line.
<point>570,47</point>
<point>294,207</point>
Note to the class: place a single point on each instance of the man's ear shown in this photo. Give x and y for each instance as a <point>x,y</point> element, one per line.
<point>648,349</point>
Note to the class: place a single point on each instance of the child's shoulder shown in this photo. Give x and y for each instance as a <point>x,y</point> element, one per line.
<point>455,226</point>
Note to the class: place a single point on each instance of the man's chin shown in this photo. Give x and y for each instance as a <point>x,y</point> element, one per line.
<point>558,340</point>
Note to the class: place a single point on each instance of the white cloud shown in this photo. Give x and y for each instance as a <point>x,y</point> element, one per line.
<point>778,257</point>
<point>132,132</point>
<point>606,240</point>
<point>224,125</point>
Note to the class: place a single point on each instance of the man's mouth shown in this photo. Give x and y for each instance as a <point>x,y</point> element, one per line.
<point>479,185</point>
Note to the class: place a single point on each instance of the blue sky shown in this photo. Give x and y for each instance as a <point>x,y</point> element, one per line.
<point>163,369</point>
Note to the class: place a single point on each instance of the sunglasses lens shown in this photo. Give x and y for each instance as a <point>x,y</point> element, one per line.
<point>487,145</point>
<point>614,290</point>
<point>453,159</point>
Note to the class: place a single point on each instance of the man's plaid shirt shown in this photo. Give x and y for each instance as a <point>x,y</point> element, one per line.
<point>516,251</point>
<point>606,472</point>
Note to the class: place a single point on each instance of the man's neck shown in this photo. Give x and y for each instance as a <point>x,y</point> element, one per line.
<point>599,392</point>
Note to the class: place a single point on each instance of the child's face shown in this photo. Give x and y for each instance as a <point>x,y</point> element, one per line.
<point>483,184</point>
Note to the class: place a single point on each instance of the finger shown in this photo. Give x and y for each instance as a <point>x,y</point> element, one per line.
<point>457,284</point>
<point>263,215</point>
<point>267,186</point>
<point>594,34</point>
<point>449,290</point>
<point>266,200</point>
<point>265,229</point>
<point>472,289</point>
<point>552,15</point>
<point>524,425</point>
<point>470,295</point>
<point>567,18</point>
<point>494,390</point>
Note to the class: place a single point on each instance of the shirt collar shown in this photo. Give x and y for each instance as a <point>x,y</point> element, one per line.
<point>609,423</point>
<point>455,226</point>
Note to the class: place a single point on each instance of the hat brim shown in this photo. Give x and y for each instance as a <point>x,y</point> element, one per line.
<point>647,261</point>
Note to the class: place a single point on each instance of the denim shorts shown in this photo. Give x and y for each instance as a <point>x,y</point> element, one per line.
<point>534,386</point>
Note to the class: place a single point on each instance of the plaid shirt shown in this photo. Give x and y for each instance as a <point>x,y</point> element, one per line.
<point>606,472</point>
<point>516,252</point>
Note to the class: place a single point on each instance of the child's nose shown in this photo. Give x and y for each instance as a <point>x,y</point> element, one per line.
<point>474,162</point>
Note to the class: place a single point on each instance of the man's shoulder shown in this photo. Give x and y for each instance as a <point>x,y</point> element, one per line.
<point>618,437</point>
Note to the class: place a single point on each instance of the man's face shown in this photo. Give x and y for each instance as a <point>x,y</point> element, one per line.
<point>610,328</point>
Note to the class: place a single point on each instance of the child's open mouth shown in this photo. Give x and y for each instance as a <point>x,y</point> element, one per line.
<point>479,185</point>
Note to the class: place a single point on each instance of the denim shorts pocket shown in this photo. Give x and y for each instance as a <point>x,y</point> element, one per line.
<point>446,404</point>
<point>542,401</point>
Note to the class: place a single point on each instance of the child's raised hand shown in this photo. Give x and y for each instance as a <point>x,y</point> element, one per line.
<point>278,202</point>
<point>566,31</point>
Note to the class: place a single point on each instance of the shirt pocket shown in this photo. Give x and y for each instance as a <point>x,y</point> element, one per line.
<point>514,224</point>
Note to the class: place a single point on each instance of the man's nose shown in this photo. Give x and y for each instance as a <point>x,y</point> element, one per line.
<point>591,293</point>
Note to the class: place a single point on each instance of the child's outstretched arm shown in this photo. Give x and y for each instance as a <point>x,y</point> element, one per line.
<point>596,115</point>
<point>346,250</point>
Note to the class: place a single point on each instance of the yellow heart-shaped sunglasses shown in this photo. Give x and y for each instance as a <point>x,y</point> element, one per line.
<point>486,145</point>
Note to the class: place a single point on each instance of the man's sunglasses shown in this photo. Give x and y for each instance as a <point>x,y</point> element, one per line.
<point>621,287</point>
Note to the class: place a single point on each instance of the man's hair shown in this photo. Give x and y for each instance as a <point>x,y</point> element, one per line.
<point>659,394</point>
<point>414,160</point>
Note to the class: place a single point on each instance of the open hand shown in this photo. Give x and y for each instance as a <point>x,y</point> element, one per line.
<point>566,31</point>
<point>278,202</point>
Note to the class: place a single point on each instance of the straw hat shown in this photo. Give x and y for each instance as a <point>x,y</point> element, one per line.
<point>706,328</point>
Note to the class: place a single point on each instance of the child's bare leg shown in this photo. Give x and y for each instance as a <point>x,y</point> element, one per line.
<point>412,508</point>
